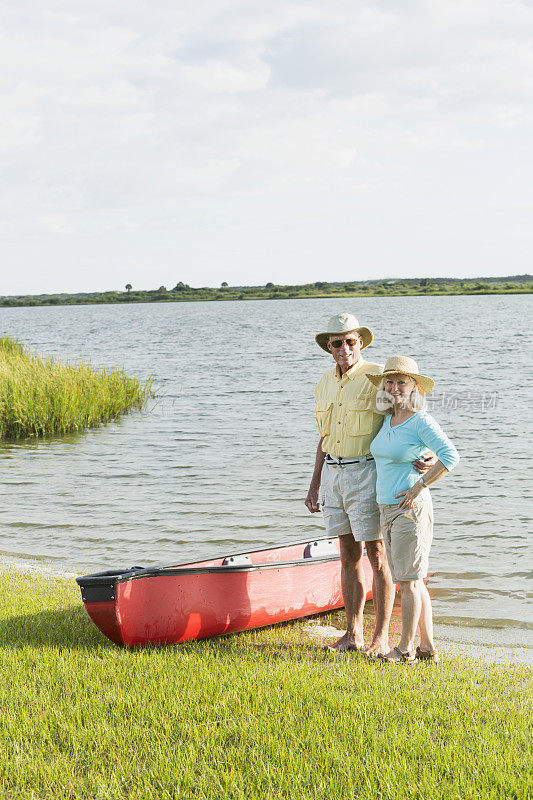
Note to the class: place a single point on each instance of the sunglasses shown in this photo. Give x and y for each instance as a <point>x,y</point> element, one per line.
<point>337,343</point>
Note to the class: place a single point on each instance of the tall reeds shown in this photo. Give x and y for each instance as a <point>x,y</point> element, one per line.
<point>40,396</point>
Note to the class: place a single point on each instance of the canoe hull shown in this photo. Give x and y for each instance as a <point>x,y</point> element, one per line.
<point>196,602</point>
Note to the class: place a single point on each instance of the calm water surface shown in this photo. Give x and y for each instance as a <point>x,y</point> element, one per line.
<point>221,460</point>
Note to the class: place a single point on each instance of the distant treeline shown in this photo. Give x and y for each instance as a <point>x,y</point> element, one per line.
<point>516,284</point>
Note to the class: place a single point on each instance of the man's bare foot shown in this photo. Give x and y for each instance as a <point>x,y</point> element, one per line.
<point>346,642</point>
<point>379,646</point>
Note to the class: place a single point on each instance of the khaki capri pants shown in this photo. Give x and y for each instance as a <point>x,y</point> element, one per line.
<point>407,534</point>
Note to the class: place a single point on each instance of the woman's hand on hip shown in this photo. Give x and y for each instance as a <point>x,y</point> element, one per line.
<point>410,495</point>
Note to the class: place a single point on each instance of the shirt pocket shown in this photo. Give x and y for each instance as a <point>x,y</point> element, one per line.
<point>360,416</point>
<point>323,418</point>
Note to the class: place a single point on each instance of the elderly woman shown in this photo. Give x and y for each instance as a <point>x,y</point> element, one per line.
<point>407,524</point>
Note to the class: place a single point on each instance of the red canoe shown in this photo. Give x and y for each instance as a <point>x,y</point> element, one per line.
<point>174,604</point>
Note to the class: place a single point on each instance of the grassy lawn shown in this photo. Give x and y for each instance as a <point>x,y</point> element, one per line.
<point>264,714</point>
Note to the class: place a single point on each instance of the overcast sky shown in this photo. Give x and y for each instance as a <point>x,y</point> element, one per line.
<point>216,140</point>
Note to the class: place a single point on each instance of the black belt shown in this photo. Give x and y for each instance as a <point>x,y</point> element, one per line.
<point>343,462</point>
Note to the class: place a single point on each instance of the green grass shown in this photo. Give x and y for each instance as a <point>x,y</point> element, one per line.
<point>263,714</point>
<point>42,396</point>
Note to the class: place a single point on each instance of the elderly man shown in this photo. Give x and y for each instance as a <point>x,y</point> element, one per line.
<point>344,478</point>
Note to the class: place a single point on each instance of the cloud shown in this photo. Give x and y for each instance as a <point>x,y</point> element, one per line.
<point>127,109</point>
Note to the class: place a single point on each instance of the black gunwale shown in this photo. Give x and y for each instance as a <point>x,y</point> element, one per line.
<point>112,577</point>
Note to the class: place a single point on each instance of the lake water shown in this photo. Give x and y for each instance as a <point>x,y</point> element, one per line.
<point>221,460</point>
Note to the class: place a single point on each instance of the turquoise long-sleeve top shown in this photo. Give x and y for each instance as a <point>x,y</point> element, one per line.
<point>395,448</point>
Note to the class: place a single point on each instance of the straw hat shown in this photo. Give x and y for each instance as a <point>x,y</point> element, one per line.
<point>405,366</point>
<point>341,324</point>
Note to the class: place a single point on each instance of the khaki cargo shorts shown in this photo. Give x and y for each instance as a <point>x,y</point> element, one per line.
<point>348,499</point>
<point>408,534</point>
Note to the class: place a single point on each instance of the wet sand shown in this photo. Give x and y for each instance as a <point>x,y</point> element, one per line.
<point>452,639</point>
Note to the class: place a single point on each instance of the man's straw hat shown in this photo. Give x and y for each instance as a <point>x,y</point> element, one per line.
<point>405,366</point>
<point>341,324</point>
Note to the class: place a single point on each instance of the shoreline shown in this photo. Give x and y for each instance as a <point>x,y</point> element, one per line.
<point>288,296</point>
<point>453,640</point>
<point>183,293</point>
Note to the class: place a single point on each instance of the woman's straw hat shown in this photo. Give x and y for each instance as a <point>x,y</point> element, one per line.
<point>341,324</point>
<point>405,366</point>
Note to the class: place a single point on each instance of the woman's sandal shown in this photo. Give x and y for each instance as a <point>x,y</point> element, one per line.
<point>427,655</point>
<point>398,657</point>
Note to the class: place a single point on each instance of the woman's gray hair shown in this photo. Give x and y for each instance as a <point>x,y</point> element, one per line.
<point>385,401</point>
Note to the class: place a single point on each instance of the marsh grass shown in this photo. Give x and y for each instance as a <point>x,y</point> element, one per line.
<point>263,714</point>
<point>42,396</point>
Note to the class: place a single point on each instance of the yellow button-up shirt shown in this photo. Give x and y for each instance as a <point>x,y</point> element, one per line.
<point>346,410</point>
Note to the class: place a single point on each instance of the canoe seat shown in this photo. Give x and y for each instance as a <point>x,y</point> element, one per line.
<point>320,548</point>
<point>237,561</point>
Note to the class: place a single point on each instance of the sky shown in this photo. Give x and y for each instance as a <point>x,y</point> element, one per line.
<point>247,142</point>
